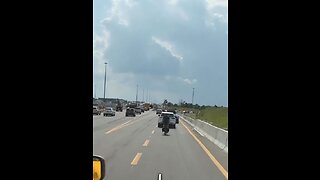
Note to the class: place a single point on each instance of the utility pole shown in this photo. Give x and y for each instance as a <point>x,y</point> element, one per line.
<point>137,96</point>
<point>105,79</point>
<point>192,95</point>
<point>147,96</point>
<point>143,95</point>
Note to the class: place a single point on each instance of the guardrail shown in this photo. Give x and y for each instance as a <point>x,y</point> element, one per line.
<point>216,135</point>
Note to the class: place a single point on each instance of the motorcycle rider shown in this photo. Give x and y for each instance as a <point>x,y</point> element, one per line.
<point>165,122</point>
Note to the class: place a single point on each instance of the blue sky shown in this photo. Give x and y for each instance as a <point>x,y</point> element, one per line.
<point>167,47</point>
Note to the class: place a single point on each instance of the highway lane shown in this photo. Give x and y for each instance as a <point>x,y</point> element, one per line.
<point>134,148</point>
<point>101,122</point>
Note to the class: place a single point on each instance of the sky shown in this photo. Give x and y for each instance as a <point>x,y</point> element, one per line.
<point>165,48</point>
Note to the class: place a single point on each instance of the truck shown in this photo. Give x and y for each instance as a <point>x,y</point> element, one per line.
<point>147,106</point>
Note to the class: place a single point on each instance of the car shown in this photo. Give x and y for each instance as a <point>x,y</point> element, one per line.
<point>158,111</point>
<point>130,112</point>
<point>175,115</point>
<point>172,122</point>
<point>137,110</point>
<point>109,112</point>
<point>119,108</point>
<point>96,110</point>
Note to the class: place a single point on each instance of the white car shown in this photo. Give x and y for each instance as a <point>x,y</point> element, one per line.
<point>96,110</point>
<point>109,112</point>
<point>172,122</point>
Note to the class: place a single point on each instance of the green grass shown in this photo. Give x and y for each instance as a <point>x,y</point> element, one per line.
<point>193,115</point>
<point>215,116</point>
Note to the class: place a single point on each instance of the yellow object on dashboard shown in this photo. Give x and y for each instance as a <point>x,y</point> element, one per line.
<point>98,168</point>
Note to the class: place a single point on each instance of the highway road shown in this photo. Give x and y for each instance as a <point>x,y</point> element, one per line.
<point>135,149</point>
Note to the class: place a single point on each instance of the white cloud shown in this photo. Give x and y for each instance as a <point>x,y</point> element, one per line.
<point>212,7</point>
<point>214,3</point>
<point>101,43</point>
<point>119,11</point>
<point>123,22</point>
<point>117,83</point>
<point>126,21</point>
<point>168,46</point>
<point>175,10</point>
<point>130,3</point>
<point>172,2</point>
<point>188,81</point>
<point>217,15</point>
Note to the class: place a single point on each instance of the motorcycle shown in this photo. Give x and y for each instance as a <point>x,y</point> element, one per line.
<point>165,127</point>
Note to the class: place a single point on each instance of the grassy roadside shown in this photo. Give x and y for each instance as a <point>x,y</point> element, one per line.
<point>217,116</point>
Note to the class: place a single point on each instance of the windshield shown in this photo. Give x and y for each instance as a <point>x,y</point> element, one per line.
<point>154,59</point>
<point>170,115</point>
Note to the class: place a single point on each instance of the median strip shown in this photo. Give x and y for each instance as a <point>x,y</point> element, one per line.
<point>136,159</point>
<point>213,159</point>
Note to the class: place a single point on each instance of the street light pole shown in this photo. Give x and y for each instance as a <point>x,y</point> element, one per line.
<point>147,99</point>
<point>105,79</point>
<point>137,96</point>
<point>192,95</point>
<point>143,95</point>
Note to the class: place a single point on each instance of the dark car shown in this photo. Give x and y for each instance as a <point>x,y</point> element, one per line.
<point>159,111</point>
<point>137,110</point>
<point>130,112</point>
<point>119,108</point>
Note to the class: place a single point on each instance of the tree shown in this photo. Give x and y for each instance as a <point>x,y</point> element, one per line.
<point>165,102</point>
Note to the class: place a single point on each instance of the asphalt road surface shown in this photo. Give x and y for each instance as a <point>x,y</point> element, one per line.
<point>134,148</point>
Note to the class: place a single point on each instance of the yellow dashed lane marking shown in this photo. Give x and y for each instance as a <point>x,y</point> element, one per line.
<point>146,142</point>
<point>136,159</point>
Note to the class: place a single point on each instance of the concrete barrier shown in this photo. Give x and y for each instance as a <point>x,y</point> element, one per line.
<point>216,135</point>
